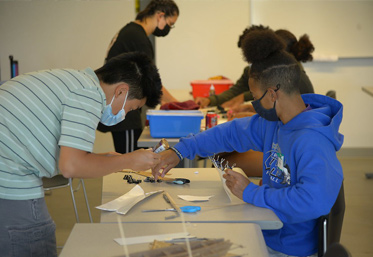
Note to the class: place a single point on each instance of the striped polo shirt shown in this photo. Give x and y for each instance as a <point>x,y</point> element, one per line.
<point>39,112</point>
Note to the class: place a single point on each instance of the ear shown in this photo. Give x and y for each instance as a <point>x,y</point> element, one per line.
<point>274,95</point>
<point>121,89</point>
<point>160,14</point>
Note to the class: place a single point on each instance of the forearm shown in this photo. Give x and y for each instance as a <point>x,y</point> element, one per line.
<point>226,137</point>
<point>81,164</point>
<point>226,95</point>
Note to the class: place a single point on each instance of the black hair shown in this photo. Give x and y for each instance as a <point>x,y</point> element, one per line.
<point>302,49</point>
<point>248,30</point>
<point>169,7</point>
<point>270,63</point>
<point>138,71</point>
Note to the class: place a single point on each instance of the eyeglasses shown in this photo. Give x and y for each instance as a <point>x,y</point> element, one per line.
<point>170,25</point>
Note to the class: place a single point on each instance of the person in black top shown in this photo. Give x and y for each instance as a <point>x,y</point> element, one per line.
<point>158,18</point>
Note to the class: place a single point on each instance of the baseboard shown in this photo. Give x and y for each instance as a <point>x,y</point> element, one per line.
<point>355,152</point>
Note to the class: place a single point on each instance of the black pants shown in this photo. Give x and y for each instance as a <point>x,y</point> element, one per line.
<point>126,141</point>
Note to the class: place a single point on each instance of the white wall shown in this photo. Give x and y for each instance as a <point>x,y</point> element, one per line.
<point>203,43</point>
<point>75,34</point>
<point>45,34</point>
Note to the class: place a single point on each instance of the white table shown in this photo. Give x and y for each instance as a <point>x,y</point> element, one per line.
<point>90,240</point>
<point>205,183</point>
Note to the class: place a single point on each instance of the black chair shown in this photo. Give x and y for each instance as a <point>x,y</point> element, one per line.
<point>332,94</point>
<point>330,225</point>
<point>60,181</point>
<point>337,250</point>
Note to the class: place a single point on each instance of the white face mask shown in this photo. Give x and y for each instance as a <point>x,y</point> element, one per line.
<point>108,118</point>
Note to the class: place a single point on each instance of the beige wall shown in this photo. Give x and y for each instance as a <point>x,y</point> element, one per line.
<point>75,34</point>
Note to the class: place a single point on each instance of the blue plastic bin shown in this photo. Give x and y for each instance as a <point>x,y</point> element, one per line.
<point>174,123</point>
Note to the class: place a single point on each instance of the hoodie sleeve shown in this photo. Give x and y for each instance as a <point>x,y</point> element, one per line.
<point>238,135</point>
<point>317,176</point>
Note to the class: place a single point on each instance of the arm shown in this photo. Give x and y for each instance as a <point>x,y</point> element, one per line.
<point>236,101</point>
<point>241,86</point>
<point>77,163</point>
<point>202,101</point>
<point>237,115</point>
<point>240,135</point>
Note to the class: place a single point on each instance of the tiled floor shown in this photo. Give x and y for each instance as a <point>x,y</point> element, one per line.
<point>357,233</point>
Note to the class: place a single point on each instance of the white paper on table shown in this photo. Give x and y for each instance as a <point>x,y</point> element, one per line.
<point>192,198</point>
<point>123,204</point>
<point>221,173</point>
<point>149,239</point>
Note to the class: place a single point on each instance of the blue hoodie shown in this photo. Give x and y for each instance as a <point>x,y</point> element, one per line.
<point>301,173</point>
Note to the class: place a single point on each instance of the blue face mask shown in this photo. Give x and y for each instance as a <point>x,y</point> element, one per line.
<point>270,114</point>
<point>108,118</point>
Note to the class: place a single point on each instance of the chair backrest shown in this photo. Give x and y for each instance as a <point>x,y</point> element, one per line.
<point>330,225</point>
<point>337,250</point>
<point>57,181</point>
<point>332,94</point>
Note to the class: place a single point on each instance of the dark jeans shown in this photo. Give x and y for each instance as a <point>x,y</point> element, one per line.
<point>26,229</point>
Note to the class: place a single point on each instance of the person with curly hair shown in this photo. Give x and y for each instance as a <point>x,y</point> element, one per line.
<point>48,122</point>
<point>158,18</point>
<point>298,135</point>
<point>251,161</point>
<point>239,93</point>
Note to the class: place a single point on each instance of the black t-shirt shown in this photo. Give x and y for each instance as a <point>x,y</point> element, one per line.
<point>131,38</point>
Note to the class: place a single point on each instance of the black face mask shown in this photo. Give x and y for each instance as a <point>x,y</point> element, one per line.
<point>162,32</point>
<point>270,114</point>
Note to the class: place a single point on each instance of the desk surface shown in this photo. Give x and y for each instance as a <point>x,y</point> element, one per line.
<point>98,239</point>
<point>204,183</point>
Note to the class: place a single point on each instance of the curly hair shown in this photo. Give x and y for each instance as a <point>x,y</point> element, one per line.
<point>138,71</point>
<point>169,7</point>
<point>302,49</point>
<point>248,30</point>
<point>271,64</point>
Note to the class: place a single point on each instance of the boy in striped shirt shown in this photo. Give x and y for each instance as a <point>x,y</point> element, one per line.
<point>48,121</point>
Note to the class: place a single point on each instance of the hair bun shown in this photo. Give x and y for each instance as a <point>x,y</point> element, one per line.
<point>258,45</point>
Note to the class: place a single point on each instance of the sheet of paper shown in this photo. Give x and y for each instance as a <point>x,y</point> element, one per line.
<point>192,198</point>
<point>125,202</point>
<point>226,189</point>
<point>149,239</point>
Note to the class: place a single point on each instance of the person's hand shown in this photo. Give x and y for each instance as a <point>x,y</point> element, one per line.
<point>202,101</point>
<point>236,182</point>
<point>234,102</point>
<point>143,159</point>
<point>168,160</point>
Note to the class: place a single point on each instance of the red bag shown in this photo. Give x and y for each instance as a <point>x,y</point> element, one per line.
<point>187,105</point>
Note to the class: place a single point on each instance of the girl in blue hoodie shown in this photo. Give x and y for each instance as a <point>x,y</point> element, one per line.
<point>299,138</point>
